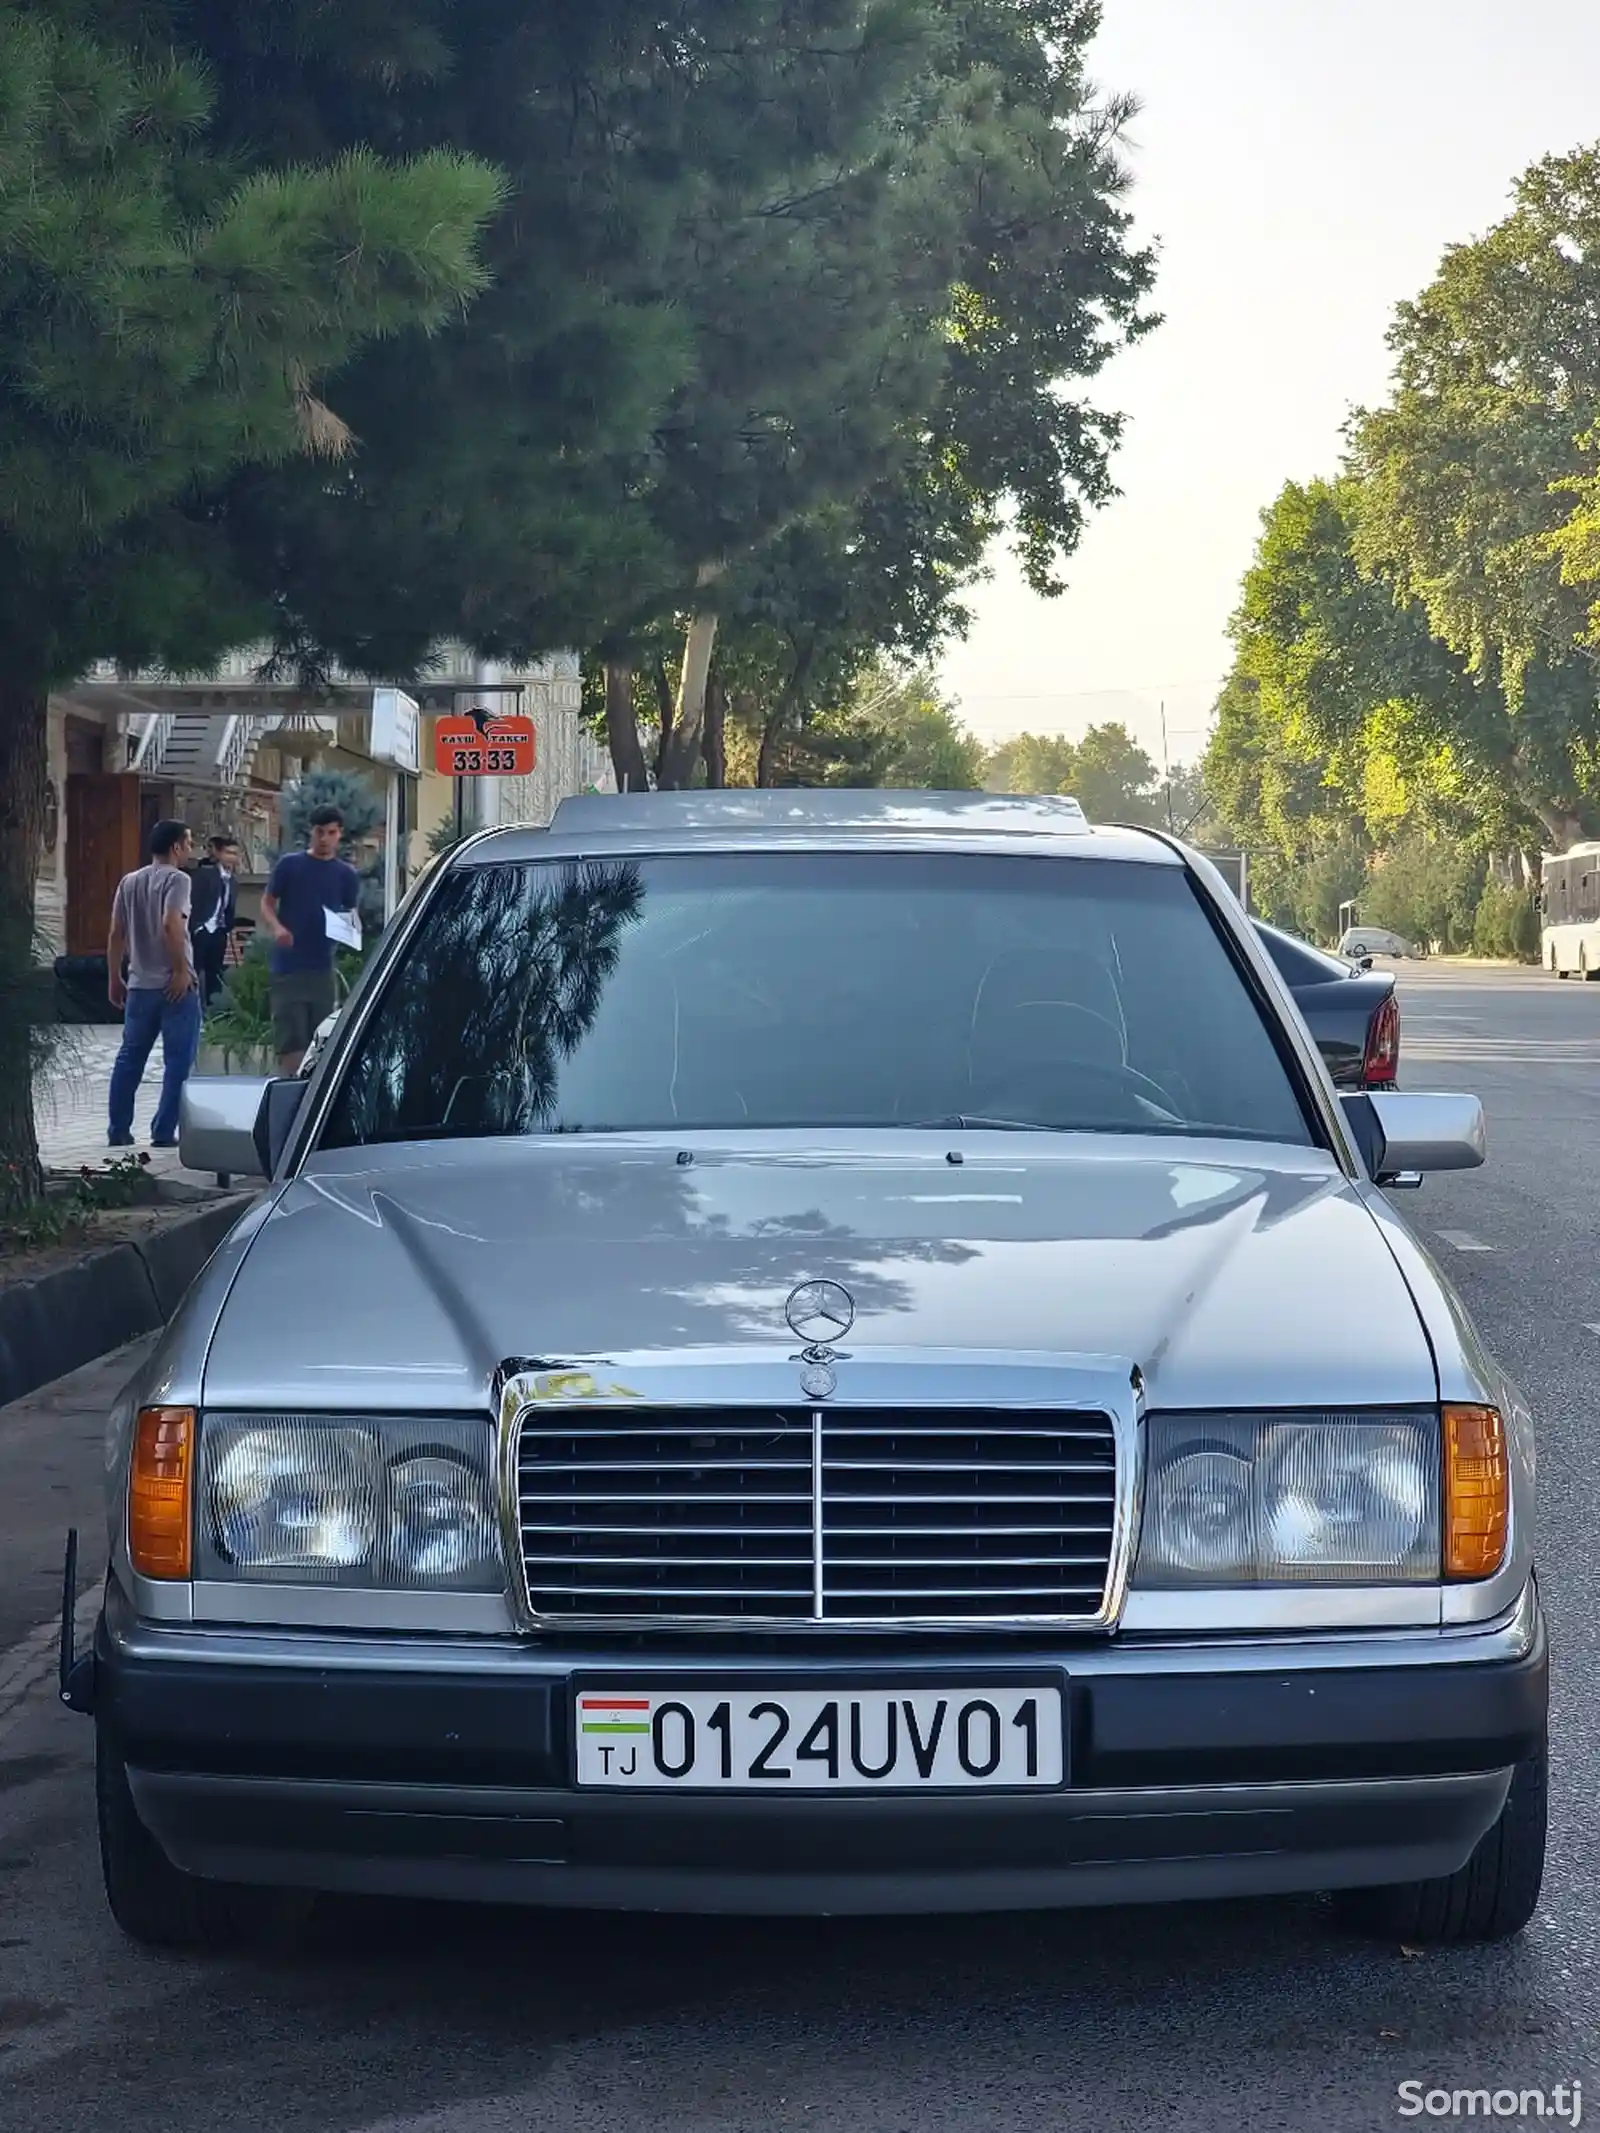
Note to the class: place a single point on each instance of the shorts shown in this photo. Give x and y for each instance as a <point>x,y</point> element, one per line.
<point>300,1000</point>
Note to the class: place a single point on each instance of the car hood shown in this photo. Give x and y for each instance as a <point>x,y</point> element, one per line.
<point>404,1277</point>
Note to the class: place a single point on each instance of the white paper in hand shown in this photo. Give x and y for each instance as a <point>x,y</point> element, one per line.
<point>344,927</point>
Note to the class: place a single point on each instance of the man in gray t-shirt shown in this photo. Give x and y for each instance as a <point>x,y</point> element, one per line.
<point>159,997</point>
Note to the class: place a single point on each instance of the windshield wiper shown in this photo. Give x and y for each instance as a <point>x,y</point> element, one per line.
<point>391,1137</point>
<point>966,1123</point>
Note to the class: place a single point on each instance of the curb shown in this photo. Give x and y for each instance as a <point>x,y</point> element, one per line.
<point>110,1296</point>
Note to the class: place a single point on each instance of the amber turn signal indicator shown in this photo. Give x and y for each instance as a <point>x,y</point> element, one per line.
<point>161,1492</point>
<point>1477,1492</point>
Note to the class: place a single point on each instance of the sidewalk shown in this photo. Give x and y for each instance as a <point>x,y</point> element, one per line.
<point>69,1109</point>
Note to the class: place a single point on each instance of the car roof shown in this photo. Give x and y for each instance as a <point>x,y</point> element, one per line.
<point>821,818</point>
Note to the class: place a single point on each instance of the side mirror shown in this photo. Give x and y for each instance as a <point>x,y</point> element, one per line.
<point>236,1125</point>
<point>217,1122</point>
<point>280,1101</point>
<point>1406,1136</point>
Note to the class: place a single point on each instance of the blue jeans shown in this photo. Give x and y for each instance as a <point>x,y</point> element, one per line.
<point>149,1015</point>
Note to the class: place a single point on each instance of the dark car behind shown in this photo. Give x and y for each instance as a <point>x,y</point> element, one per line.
<point>1353,1014</point>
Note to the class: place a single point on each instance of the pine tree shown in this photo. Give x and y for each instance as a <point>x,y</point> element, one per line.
<point>167,315</point>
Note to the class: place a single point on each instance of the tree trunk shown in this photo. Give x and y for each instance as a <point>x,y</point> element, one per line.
<point>1565,828</point>
<point>715,742</point>
<point>777,720</point>
<point>682,753</point>
<point>663,689</point>
<point>771,734</point>
<point>622,728</point>
<point>24,759</point>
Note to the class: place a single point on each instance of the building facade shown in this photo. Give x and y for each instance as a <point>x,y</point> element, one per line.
<point>216,751</point>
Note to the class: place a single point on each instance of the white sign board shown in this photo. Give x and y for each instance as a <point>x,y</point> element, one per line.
<point>396,731</point>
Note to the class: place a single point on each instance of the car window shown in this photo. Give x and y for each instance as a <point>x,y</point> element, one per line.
<point>808,990</point>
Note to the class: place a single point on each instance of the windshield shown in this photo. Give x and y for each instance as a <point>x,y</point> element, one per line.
<point>812,990</point>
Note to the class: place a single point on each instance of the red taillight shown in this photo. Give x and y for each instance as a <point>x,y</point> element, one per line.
<point>1382,1062</point>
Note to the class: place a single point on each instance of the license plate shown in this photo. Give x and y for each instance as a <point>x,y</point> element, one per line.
<point>819,1740</point>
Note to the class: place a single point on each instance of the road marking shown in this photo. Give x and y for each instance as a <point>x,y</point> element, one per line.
<point>1589,1326</point>
<point>1463,1241</point>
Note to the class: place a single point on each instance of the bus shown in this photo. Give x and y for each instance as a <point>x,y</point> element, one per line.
<point>1570,941</point>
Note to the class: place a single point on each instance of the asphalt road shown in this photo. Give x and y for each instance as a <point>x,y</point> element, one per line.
<point>1219,2016</point>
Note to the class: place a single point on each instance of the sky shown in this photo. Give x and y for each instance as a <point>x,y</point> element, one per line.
<point>1302,165</point>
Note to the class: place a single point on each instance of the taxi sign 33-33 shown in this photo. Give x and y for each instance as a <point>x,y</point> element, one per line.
<point>498,748</point>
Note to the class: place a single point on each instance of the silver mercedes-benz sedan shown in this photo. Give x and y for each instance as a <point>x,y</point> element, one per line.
<point>821,1352</point>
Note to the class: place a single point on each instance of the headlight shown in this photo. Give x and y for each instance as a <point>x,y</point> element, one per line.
<point>295,1499</point>
<point>439,1529</point>
<point>1290,1500</point>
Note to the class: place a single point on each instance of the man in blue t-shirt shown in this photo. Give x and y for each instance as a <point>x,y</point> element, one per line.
<point>305,888</point>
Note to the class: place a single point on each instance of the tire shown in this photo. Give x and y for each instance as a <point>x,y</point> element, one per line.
<point>158,1905</point>
<point>1493,1896</point>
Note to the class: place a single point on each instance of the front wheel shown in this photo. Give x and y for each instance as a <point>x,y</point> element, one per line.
<point>160,1906</point>
<point>1491,1898</point>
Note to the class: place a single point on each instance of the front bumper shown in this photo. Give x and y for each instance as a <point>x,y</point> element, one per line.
<point>397,1767</point>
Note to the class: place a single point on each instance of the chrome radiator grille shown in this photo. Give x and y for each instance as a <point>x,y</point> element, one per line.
<point>871,1515</point>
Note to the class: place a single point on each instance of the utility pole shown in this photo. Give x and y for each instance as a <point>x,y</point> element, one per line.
<point>1166,767</point>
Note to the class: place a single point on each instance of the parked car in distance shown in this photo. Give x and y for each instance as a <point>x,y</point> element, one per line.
<point>1360,941</point>
<point>1352,1011</point>
<point>820,1352</point>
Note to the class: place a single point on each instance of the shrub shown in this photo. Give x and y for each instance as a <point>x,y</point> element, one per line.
<point>1507,924</point>
<point>240,1021</point>
<point>1526,927</point>
<point>1428,890</point>
<point>56,1217</point>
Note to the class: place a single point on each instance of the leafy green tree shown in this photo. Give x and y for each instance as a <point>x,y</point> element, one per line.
<point>1184,805</point>
<point>1426,888</point>
<point>761,262</point>
<point>1353,678</point>
<point>836,594</point>
<point>892,729</point>
<point>1271,797</point>
<point>1506,924</point>
<point>1466,473</point>
<point>673,277</point>
<point>1334,873</point>
<point>1032,762</point>
<point>1113,779</point>
<point>167,314</point>
<point>993,268</point>
<point>1106,772</point>
<point>932,750</point>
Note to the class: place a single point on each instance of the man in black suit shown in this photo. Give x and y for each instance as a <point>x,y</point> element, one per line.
<point>213,911</point>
